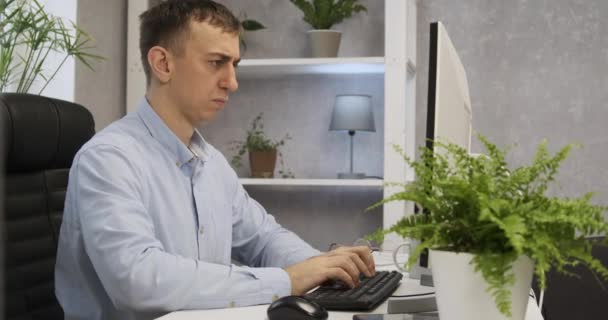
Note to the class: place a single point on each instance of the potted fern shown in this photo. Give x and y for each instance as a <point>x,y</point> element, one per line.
<point>263,152</point>
<point>321,15</point>
<point>489,228</point>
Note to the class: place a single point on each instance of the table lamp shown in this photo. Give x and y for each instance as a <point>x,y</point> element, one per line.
<point>352,113</point>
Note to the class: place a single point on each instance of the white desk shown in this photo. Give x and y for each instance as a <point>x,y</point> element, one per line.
<point>383,261</point>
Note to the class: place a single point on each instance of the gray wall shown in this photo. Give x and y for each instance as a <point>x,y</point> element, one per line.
<point>322,215</point>
<point>103,91</point>
<point>302,106</point>
<point>314,213</point>
<point>285,36</point>
<point>536,69</point>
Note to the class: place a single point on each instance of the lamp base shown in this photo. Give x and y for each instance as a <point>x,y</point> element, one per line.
<point>351,175</point>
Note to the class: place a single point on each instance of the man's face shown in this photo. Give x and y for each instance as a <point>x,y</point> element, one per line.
<point>204,72</point>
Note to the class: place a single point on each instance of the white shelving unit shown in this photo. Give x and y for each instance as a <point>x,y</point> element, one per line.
<point>399,105</point>
<point>268,68</point>
<point>398,67</point>
<point>313,182</point>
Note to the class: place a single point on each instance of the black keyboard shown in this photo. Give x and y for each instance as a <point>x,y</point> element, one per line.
<point>370,293</point>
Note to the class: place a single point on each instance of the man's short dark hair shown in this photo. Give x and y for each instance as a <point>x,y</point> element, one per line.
<point>166,24</point>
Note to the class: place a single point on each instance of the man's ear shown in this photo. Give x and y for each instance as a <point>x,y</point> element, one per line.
<point>160,63</point>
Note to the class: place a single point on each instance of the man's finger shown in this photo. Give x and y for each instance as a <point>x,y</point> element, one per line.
<point>338,273</point>
<point>349,266</point>
<point>364,252</point>
<point>363,267</point>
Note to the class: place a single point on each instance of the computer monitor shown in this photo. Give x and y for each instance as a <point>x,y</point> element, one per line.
<point>449,114</point>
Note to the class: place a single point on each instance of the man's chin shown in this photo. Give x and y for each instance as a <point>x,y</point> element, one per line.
<point>208,116</point>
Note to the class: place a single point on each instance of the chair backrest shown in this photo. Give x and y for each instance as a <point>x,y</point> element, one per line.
<point>42,135</point>
<point>582,295</point>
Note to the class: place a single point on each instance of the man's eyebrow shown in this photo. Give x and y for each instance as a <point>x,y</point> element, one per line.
<point>225,57</point>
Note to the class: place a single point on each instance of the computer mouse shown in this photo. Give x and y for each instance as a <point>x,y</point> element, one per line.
<point>296,308</point>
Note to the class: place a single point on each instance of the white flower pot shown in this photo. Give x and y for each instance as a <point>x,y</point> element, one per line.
<point>461,292</point>
<point>325,43</point>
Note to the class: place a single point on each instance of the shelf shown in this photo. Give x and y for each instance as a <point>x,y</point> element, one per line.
<point>269,68</point>
<point>313,182</point>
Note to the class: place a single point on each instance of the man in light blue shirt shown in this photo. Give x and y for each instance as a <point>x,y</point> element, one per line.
<point>154,215</point>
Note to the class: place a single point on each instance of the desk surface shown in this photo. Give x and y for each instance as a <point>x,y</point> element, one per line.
<point>383,262</point>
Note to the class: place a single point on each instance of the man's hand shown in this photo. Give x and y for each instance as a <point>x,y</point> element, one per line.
<point>343,263</point>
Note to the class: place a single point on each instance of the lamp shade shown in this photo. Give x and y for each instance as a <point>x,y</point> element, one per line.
<point>352,113</point>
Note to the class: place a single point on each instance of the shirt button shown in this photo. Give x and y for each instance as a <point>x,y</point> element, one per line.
<point>177,163</point>
<point>232,304</point>
<point>201,230</point>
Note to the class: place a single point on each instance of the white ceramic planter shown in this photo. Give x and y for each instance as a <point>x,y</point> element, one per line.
<point>461,292</point>
<point>324,43</point>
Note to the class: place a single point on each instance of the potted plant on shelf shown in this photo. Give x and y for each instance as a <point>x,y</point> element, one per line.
<point>29,34</point>
<point>249,25</point>
<point>262,152</point>
<point>322,15</point>
<point>489,227</point>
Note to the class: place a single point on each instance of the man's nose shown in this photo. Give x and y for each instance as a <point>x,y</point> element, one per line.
<point>229,82</point>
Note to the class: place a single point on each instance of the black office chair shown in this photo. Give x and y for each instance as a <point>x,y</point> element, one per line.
<point>584,296</point>
<point>42,135</point>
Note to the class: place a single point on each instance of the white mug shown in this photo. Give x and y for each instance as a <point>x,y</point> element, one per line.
<point>400,265</point>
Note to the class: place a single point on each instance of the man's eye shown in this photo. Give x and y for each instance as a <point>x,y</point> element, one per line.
<point>215,63</point>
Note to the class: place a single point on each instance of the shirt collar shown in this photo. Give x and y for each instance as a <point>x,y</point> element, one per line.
<point>158,130</point>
